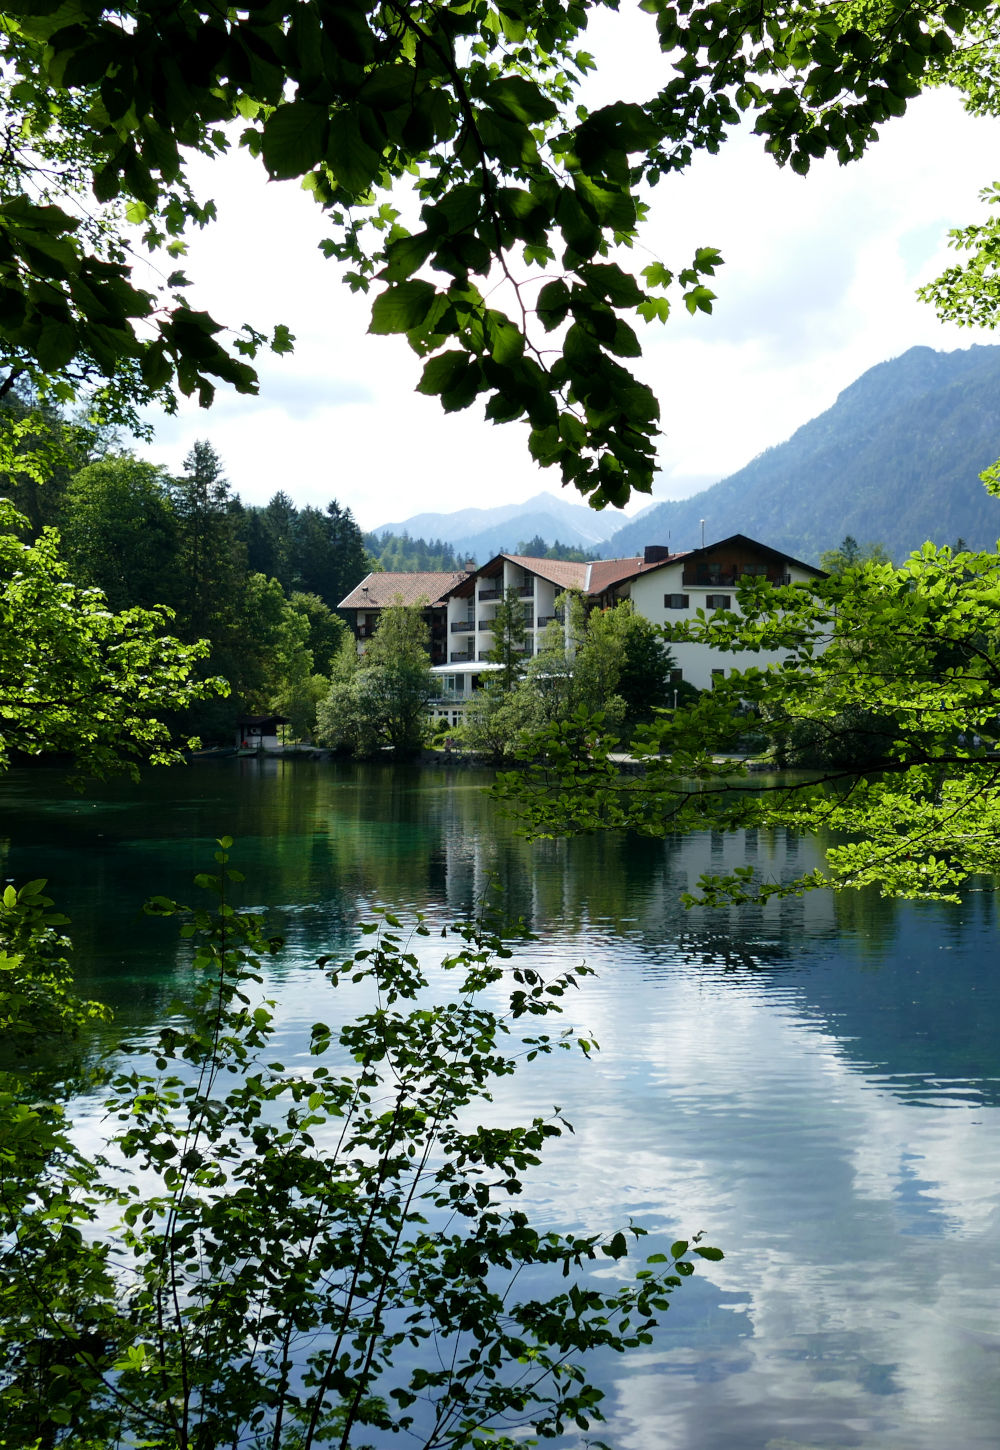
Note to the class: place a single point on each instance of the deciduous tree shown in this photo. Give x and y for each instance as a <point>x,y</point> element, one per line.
<point>120,532</point>
<point>380,702</point>
<point>77,678</point>
<point>478,107</point>
<point>329,1254</point>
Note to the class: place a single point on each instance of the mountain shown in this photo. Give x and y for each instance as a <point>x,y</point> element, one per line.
<point>481,533</point>
<point>894,461</point>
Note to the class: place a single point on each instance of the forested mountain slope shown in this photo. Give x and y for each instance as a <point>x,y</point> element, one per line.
<point>895,460</point>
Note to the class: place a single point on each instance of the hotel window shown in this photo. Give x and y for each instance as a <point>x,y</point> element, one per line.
<point>675,601</point>
<point>718,675</point>
<point>718,601</point>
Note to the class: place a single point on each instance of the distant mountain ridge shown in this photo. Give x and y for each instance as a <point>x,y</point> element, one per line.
<point>896,461</point>
<point>481,533</point>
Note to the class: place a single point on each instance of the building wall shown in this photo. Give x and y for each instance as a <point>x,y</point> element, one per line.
<point>470,619</point>
<point>651,592</point>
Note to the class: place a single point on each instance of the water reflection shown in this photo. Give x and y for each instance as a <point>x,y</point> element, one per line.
<point>815,1083</point>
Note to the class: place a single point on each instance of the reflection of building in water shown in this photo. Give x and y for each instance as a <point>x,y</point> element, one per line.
<point>636,882</point>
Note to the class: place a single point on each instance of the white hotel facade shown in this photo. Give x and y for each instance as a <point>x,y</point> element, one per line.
<point>664,587</point>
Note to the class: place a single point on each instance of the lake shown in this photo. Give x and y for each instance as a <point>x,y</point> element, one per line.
<point>815,1084</point>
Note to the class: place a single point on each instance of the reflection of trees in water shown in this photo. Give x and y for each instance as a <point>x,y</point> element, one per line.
<point>722,951</point>
<point>320,844</point>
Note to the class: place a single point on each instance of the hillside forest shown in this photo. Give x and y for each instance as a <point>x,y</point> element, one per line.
<point>260,584</point>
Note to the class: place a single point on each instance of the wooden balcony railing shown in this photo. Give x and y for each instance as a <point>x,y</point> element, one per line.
<point>709,579</point>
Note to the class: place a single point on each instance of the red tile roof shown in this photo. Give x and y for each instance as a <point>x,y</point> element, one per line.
<point>378,591</point>
<point>560,572</point>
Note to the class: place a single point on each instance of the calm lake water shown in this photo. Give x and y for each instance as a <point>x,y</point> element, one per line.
<point>816,1085</point>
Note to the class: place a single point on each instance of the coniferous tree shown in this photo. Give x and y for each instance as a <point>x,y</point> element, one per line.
<point>510,634</point>
<point>212,559</point>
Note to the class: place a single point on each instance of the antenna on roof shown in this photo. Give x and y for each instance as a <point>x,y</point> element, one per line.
<point>702,533</point>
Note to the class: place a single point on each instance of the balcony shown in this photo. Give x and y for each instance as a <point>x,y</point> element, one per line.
<point>457,656</point>
<point>485,594</point>
<point>526,591</point>
<point>544,619</point>
<point>463,626</point>
<point>700,577</point>
<point>485,624</point>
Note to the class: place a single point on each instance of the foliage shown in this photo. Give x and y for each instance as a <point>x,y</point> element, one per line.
<point>849,554</point>
<point>274,658</point>
<point>120,532</point>
<point>378,702</point>
<point>308,550</point>
<point>40,450</point>
<point>36,1002</point>
<point>327,631</point>
<point>510,638</point>
<point>478,108</point>
<point>894,670</point>
<point>610,661</point>
<point>320,1255</point>
<point>211,564</point>
<point>77,678</point>
<point>537,548</point>
<point>399,554</point>
<point>495,719</point>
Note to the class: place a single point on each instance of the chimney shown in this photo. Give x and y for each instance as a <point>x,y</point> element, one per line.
<point>655,553</point>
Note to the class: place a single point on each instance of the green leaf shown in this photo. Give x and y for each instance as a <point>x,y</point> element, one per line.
<point>294,139</point>
<point>520,98</point>
<point>441,372</point>
<point>406,255</point>
<point>56,345</point>
<point>402,307</point>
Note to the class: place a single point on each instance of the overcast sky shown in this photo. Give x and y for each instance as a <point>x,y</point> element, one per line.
<point>818,285</point>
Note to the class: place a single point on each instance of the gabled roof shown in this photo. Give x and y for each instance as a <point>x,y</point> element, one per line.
<point>561,572</point>
<point>605,573</point>
<point>739,541</point>
<point>745,542</point>
<point>378,591</point>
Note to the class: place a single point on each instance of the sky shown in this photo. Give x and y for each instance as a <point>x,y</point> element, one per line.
<point>818,285</point>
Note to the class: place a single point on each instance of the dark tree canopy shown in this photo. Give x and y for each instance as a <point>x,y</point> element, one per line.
<point>477,106</point>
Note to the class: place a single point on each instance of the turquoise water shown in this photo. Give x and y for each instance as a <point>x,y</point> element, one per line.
<point>815,1085</point>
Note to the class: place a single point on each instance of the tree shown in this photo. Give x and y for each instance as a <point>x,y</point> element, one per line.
<point>646,672</point>
<point>327,631</point>
<point>330,554</point>
<point>380,701</point>
<point>78,679</point>
<point>849,554</point>
<point>212,562</point>
<point>510,638</point>
<point>121,533</point>
<point>478,109</point>
<point>327,1255</point>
